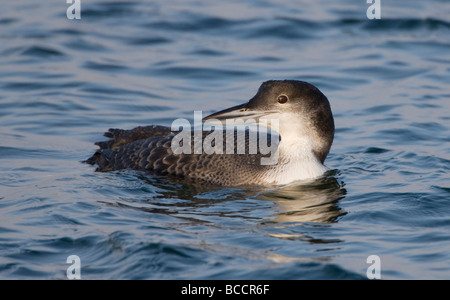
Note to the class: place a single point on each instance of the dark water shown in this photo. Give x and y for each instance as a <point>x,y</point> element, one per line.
<point>124,64</point>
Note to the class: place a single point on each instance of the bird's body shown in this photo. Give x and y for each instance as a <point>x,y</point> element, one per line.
<point>305,126</point>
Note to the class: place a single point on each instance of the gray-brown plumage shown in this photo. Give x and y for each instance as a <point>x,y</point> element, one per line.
<point>306,130</point>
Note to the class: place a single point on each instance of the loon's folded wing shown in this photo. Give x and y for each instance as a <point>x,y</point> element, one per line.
<point>119,137</point>
<point>155,154</point>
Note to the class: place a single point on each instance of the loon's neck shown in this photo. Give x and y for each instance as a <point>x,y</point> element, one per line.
<point>296,161</point>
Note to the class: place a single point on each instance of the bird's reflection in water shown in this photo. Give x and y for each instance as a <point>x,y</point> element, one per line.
<point>315,201</point>
<point>201,211</point>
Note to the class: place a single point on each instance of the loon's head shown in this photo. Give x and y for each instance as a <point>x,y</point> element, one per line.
<point>302,110</point>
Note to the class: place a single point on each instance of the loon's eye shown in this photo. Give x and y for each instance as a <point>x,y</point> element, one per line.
<point>282,99</point>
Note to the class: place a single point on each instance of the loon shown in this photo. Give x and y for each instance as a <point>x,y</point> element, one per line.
<point>305,134</point>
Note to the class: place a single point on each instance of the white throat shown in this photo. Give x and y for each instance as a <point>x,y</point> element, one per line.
<point>297,160</point>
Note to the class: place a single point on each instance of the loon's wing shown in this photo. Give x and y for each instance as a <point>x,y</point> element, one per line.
<point>155,154</point>
<point>121,141</point>
<point>119,137</point>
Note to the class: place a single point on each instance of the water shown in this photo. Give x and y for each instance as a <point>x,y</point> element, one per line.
<point>124,64</point>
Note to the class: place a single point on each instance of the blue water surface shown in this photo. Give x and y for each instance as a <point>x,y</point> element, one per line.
<point>125,64</point>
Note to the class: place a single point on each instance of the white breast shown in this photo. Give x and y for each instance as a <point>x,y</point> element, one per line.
<point>296,162</point>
